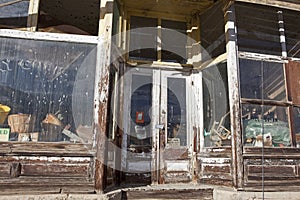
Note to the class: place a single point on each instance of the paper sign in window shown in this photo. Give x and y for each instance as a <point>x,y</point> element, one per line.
<point>139,117</point>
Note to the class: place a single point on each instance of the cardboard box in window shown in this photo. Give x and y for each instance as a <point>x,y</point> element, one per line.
<point>21,123</point>
<point>28,137</point>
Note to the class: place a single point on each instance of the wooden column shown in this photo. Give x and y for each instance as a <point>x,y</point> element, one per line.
<point>33,13</point>
<point>102,92</point>
<point>234,96</point>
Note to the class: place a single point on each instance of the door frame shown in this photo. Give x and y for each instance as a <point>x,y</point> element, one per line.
<point>158,120</point>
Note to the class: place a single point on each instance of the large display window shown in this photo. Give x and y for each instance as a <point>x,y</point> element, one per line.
<point>46,90</point>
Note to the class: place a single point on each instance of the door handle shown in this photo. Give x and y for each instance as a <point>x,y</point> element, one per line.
<point>159,126</point>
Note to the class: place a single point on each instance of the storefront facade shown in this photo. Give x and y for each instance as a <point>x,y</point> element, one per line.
<point>130,93</point>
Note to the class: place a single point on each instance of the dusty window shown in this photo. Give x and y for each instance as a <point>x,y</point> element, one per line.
<point>143,38</point>
<point>216,106</point>
<point>265,126</point>
<point>13,14</point>
<point>257,29</point>
<point>47,90</point>
<point>262,80</point>
<point>66,16</point>
<point>292,29</point>
<point>212,32</point>
<point>173,45</point>
<point>265,110</point>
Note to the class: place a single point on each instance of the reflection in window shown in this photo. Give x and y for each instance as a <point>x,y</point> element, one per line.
<point>176,114</point>
<point>265,126</point>
<point>49,89</point>
<point>143,38</point>
<point>13,14</point>
<point>173,42</point>
<point>141,103</point>
<point>216,106</point>
<point>212,32</point>
<point>291,21</point>
<point>260,79</point>
<point>69,16</point>
<point>257,28</point>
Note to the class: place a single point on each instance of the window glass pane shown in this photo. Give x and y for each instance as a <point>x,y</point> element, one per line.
<point>174,42</point>
<point>212,32</point>
<point>69,16</point>
<point>268,124</point>
<point>13,14</point>
<point>143,38</point>
<point>292,28</point>
<point>257,28</point>
<point>216,106</point>
<point>176,114</point>
<point>260,79</point>
<point>49,88</point>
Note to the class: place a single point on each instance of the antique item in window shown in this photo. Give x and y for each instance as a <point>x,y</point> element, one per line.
<point>4,111</point>
<point>52,129</point>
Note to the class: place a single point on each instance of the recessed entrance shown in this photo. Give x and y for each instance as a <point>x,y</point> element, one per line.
<point>157,123</point>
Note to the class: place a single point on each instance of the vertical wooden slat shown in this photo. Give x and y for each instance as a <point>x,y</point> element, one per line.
<point>234,94</point>
<point>102,92</point>
<point>293,71</point>
<point>33,11</point>
<point>155,120</point>
<point>159,43</point>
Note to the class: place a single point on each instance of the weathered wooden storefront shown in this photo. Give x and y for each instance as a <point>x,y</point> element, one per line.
<point>98,94</point>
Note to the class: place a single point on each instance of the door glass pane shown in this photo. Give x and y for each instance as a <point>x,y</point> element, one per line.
<point>176,105</point>
<point>141,102</point>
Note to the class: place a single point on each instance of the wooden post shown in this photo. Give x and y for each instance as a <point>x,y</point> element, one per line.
<point>155,132</point>
<point>102,92</point>
<point>234,96</point>
<point>33,13</point>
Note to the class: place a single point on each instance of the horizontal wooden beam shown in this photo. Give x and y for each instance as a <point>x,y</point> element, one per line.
<point>266,102</point>
<point>292,4</point>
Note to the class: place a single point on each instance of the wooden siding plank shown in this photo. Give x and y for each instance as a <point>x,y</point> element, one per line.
<point>213,168</point>
<point>41,148</point>
<point>55,170</point>
<point>292,4</point>
<point>4,170</point>
<point>273,172</point>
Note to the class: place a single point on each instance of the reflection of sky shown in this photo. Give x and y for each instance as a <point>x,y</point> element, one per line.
<point>15,10</point>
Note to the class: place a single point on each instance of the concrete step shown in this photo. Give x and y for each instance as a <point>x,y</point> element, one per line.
<point>162,192</point>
